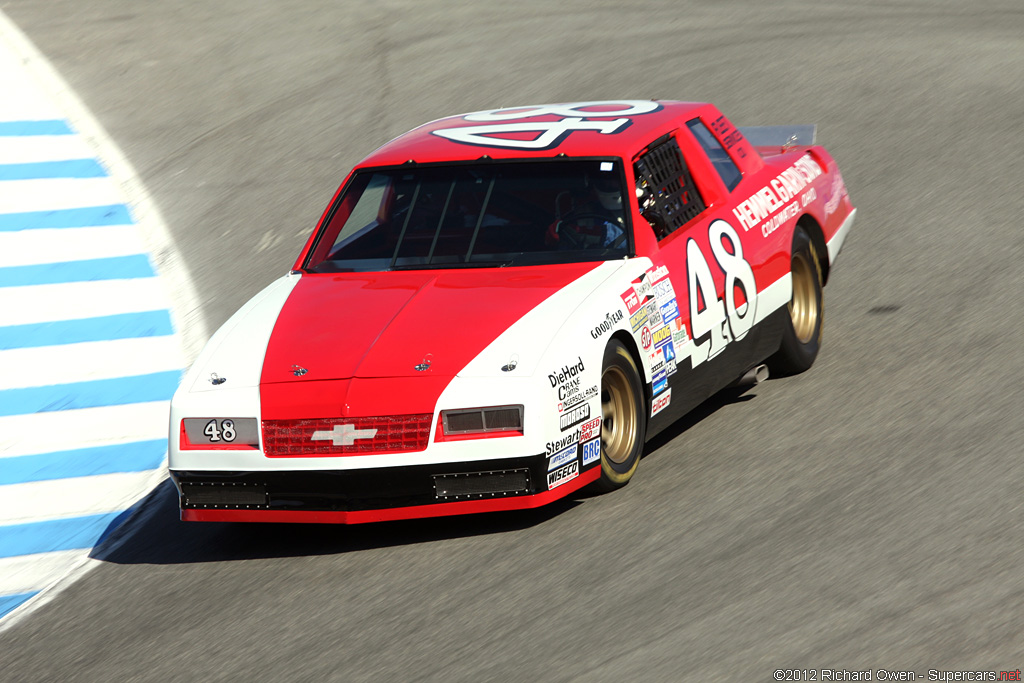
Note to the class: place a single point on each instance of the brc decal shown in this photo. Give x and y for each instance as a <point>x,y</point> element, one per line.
<point>575,416</point>
<point>567,473</point>
<point>711,320</point>
<point>590,429</point>
<point>551,131</point>
<point>661,402</point>
<point>561,457</point>
<point>591,451</point>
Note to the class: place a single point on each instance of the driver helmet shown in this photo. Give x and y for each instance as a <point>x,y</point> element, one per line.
<point>609,192</point>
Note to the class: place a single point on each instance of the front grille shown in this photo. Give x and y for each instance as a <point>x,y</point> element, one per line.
<point>346,436</point>
<point>481,484</point>
<point>223,495</point>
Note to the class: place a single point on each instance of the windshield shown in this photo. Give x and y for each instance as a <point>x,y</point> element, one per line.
<point>487,215</point>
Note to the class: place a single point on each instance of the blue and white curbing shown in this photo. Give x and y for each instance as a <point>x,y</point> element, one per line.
<point>89,349</point>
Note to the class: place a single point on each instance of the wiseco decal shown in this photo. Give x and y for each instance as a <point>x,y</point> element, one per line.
<point>567,473</point>
<point>573,417</point>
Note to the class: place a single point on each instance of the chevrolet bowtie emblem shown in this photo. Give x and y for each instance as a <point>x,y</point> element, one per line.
<point>343,435</point>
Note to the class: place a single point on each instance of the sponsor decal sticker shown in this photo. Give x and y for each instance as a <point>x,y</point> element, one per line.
<point>561,457</point>
<point>590,429</point>
<point>663,290</point>
<point>661,402</point>
<point>607,324</point>
<point>638,319</point>
<point>573,417</point>
<point>661,334</point>
<point>646,338</point>
<point>670,311</point>
<point>659,273</point>
<point>774,196</point>
<point>591,451</point>
<point>577,397</point>
<point>565,374</point>
<point>660,382</point>
<point>561,476</point>
<point>653,314</point>
<point>631,300</point>
<point>670,367</point>
<point>564,442</point>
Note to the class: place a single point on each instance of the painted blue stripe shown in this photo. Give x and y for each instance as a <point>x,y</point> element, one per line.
<point>44,170</point>
<point>158,386</point>
<point>85,217</point>
<point>54,535</point>
<point>103,328</point>
<point>137,456</point>
<point>46,127</point>
<point>9,603</point>
<point>113,268</point>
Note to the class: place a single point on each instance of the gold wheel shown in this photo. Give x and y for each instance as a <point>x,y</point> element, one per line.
<point>618,415</point>
<point>803,308</point>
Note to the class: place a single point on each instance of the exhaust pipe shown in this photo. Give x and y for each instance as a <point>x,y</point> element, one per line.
<point>753,376</point>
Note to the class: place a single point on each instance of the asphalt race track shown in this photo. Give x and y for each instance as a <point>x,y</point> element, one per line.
<point>865,515</point>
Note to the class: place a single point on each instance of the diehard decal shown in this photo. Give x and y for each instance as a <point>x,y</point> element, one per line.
<point>573,417</point>
<point>591,451</point>
<point>565,374</point>
<point>567,473</point>
<point>561,457</point>
<point>661,402</point>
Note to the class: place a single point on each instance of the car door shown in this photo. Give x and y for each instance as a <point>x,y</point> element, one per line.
<point>684,182</point>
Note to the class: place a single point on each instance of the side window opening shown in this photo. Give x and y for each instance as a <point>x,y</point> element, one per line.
<point>720,159</point>
<point>667,195</point>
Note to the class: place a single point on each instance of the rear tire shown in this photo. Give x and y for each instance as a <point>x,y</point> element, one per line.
<point>801,339</point>
<point>623,417</point>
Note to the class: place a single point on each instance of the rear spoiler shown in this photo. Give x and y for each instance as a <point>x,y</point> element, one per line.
<point>780,136</point>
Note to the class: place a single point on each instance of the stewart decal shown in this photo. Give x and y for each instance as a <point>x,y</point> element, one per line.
<point>568,439</point>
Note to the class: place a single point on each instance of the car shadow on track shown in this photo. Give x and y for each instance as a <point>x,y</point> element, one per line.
<point>154,535</point>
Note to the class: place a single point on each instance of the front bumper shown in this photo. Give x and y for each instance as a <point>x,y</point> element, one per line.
<point>371,495</point>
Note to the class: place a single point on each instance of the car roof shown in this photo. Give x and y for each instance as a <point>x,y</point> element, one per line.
<point>578,129</point>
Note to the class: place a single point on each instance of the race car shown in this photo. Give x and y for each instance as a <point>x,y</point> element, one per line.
<point>498,309</point>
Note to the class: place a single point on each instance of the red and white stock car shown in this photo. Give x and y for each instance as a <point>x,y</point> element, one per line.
<point>499,308</point>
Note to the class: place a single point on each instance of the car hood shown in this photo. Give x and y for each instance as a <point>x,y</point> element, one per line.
<point>402,323</point>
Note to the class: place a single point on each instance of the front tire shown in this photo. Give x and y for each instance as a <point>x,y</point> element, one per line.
<point>801,339</point>
<point>623,417</point>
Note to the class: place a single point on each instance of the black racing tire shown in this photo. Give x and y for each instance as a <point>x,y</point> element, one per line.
<point>623,417</point>
<point>801,339</point>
